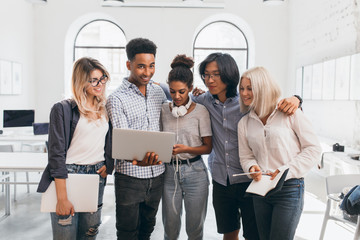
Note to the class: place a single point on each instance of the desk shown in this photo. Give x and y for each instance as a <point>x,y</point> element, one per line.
<point>339,163</point>
<point>23,162</point>
<point>29,140</point>
<point>23,138</point>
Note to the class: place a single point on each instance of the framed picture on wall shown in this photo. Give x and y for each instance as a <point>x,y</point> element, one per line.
<point>5,77</point>
<point>328,89</point>
<point>355,77</point>
<point>16,78</point>
<point>342,78</point>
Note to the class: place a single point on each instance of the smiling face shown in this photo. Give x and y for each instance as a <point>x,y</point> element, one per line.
<point>142,68</point>
<point>97,91</point>
<point>179,92</point>
<point>214,83</point>
<point>246,93</point>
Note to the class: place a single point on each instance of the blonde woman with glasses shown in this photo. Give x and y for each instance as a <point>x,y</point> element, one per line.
<point>79,143</point>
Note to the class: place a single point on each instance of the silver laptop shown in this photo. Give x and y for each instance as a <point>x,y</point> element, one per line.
<point>82,191</point>
<point>132,144</point>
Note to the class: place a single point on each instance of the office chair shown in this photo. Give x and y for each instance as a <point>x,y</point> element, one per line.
<point>9,148</point>
<point>334,186</point>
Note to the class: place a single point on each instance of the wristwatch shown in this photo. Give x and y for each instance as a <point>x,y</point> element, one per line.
<point>300,99</point>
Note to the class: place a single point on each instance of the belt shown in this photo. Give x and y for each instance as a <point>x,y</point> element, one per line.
<point>191,160</point>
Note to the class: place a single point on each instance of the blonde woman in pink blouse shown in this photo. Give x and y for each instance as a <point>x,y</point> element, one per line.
<point>272,141</point>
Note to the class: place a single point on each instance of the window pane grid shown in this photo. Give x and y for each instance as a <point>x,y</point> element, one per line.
<point>221,37</point>
<point>100,33</point>
<point>104,41</point>
<point>221,34</point>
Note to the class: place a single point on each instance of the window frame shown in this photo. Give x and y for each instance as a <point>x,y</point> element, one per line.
<point>111,87</point>
<point>216,49</point>
<point>96,47</point>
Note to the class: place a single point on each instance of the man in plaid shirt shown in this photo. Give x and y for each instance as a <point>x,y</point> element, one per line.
<point>136,104</point>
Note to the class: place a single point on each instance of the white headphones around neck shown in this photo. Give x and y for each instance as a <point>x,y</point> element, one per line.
<point>181,110</point>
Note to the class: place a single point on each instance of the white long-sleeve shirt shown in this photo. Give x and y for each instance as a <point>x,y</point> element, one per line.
<point>282,142</point>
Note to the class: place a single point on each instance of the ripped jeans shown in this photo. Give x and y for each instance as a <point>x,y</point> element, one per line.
<point>82,225</point>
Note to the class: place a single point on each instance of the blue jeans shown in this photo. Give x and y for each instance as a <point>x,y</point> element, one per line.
<point>137,202</point>
<point>190,184</point>
<point>82,225</point>
<point>277,216</point>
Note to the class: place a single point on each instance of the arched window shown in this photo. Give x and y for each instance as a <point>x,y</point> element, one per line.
<point>220,36</point>
<point>104,41</point>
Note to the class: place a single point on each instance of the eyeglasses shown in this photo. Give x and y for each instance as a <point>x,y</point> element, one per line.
<point>212,76</point>
<point>94,81</point>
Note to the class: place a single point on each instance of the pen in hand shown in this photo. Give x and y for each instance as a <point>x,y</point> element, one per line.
<point>243,174</point>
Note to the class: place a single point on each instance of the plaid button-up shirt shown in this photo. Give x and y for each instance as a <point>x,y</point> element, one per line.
<point>128,108</point>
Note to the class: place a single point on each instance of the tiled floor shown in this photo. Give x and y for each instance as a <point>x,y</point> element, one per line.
<point>26,221</point>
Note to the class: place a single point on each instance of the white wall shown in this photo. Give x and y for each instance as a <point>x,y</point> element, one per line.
<point>171,29</point>
<point>322,30</point>
<point>16,44</point>
<point>270,25</point>
<point>36,38</point>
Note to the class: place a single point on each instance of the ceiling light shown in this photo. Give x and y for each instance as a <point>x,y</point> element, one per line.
<point>158,4</point>
<point>37,1</point>
<point>273,2</point>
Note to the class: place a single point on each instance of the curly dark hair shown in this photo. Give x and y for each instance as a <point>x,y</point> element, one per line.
<point>139,45</point>
<point>180,71</point>
<point>228,69</point>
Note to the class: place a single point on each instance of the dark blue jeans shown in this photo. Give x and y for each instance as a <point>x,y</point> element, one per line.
<point>83,225</point>
<point>277,216</point>
<point>137,202</point>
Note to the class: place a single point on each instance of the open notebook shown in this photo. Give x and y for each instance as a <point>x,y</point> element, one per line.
<point>82,191</point>
<point>267,187</point>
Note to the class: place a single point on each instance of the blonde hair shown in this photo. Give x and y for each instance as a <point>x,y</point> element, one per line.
<point>266,91</point>
<point>80,76</point>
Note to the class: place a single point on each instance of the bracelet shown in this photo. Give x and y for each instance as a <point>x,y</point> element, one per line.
<point>300,99</point>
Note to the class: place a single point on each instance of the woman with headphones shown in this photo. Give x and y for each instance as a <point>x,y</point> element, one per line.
<point>186,176</point>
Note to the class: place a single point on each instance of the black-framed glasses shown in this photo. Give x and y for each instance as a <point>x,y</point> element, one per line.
<point>212,76</point>
<point>94,81</point>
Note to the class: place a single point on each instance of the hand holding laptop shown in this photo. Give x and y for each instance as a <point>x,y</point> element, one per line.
<point>142,148</point>
<point>150,158</point>
<point>81,192</point>
<point>63,205</point>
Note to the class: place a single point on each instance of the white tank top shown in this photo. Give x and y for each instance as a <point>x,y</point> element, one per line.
<point>87,144</point>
